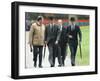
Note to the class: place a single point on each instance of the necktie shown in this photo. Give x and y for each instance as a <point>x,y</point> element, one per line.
<point>72,27</point>
<point>52,27</point>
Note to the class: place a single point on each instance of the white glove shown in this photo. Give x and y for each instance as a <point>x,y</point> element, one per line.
<point>70,36</point>
<point>56,42</point>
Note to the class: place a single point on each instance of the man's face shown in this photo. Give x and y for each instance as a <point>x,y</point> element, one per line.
<point>60,22</point>
<point>51,21</point>
<point>41,21</point>
<point>72,22</point>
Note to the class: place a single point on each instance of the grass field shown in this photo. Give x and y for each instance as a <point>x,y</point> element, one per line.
<point>85,48</point>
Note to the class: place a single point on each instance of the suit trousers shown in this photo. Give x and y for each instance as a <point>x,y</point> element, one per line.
<point>63,52</point>
<point>73,49</point>
<point>51,53</point>
<point>57,53</point>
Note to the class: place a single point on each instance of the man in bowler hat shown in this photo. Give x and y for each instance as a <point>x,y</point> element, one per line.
<point>73,33</point>
<point>51,39</point>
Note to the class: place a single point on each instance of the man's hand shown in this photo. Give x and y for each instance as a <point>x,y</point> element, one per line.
<point>30,44</point>
<point>31,48</point>
<point>70,36</point>
<point>56,42</point>
<point>45,42</point>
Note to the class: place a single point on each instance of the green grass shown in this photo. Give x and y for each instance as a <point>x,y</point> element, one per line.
<point>85,48</point>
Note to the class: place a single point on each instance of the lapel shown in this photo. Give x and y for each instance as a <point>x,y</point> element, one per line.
<point>63,28</point>
<point>49,28</point>
<point>53,27</point>
<point>69,28</point>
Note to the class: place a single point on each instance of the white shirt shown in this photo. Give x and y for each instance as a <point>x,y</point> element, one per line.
<point>51,25</point>
<point>72,27</point>
<point>60,27</point>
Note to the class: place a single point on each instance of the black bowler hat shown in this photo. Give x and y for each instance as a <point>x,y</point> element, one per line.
<point>51,18</point>
<point>72,19</point>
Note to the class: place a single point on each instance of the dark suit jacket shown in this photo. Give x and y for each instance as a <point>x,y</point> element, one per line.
<point>51,34</point>
<point>74,34</point>
<point>63,36</point>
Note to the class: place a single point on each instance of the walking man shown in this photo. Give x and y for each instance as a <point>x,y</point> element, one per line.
<point>51,33</point>
<point>62,40</point>
<point>73,33</point>
<point>36,40</point>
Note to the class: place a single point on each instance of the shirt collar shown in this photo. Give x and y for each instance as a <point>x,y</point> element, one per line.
<point>38,24</point>
<point>52,24</point>
<point>73,24</point>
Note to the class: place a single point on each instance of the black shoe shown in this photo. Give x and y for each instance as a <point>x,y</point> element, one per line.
<point>63,64</point>
<point>52,66</point>
<point>40,66</point>
<point>35,65</point>
<point>59,65</point>
<point>73,64</point>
